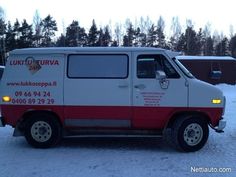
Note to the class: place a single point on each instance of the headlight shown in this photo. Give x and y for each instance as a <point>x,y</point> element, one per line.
<point>216,101</point>
<point>6,99</point>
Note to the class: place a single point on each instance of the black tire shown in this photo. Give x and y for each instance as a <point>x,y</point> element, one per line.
<point>190,133</point>
<point>42,130</point>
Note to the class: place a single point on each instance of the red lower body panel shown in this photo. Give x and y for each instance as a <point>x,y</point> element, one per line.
<point>139,117</point>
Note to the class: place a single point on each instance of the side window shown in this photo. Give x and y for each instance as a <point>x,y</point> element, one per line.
<point>97,66</point>
<point>147,65</point>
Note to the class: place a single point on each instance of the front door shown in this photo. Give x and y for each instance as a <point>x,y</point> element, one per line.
<point>155,100</point>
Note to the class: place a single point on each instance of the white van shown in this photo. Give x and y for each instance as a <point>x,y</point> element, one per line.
<point>48,93</point>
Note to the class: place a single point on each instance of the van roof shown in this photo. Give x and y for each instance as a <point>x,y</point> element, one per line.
<point>205,58</point>
<point>67,50</point>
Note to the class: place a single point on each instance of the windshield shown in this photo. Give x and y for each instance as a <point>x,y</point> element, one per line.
<point>183,69</point>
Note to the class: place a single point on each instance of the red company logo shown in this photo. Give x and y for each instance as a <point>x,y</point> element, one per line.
<point>32,65</point>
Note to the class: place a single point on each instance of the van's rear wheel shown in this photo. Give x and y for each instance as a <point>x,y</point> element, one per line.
<point>190,134</point>
<point>42,130</point>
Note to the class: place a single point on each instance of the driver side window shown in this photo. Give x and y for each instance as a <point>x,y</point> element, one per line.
<point>147,65</point>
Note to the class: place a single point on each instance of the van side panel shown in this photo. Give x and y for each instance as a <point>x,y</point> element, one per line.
<point>33,82</point>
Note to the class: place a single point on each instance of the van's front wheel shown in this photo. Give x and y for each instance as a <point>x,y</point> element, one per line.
<point>42,131</point>
<point>190,134</point>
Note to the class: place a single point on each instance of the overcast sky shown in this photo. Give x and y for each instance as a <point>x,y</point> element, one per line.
<point>220,14</point>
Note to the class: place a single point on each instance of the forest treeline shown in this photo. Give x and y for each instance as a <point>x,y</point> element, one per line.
<point>144,33</point>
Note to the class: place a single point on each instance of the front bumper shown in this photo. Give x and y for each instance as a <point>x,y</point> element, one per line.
<point>221,126</point>
<point>2,123</point>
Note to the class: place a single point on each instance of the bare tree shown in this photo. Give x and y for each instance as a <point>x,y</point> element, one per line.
<point>231,31</point>
<point>175,32</point>
<point>118,34</point>
<point>160,33</point>
<point>208,42</point>
<point>37,28</point>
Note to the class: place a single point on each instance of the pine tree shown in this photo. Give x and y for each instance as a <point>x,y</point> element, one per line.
<point>93,35</point>
<point>140,38</point>
<point>191,46</point>
<point>2,40</point>
<point>107,37</point>
<point>2,27</point>
<point>143,39</point>
<point>221,47</point>
<point>61,41</point>
<point>114,44</point>
<point>199,42</point>
<point>100,38</point>
<point>137,39</point>
<point>82,37</point>
<point>49,27</point>
<point>75,35</point>
<point>26,37</point>
<point>181,43</point>
<point>72,33</point>
<point>128,39</point>
<point>208,42</point>
<point>10,38</point>
<point>208,46</point>
<point>16,30</point>
<point>152,37</point>
<point>232,46</point>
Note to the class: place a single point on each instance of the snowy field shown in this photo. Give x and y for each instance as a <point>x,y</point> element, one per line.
<point>122,157</point>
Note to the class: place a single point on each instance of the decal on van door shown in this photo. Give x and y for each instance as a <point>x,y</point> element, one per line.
<point>152,98</point>
<point>36,80</point>
<point>34,65</point>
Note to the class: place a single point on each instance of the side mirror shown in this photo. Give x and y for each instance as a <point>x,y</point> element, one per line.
<point>160,75</point>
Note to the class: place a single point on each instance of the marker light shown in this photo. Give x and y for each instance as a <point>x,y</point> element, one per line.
<point>216,101</point>
<point>6,99</point>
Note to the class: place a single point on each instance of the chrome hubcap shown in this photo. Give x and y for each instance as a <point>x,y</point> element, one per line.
<point>193,134</point>
<point>41,131</point>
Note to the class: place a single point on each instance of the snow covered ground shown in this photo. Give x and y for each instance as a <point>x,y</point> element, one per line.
<point>122,157</point>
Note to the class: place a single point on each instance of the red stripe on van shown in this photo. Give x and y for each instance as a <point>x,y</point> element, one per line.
<point>13,113</point>
<point>158,117</point>
<point>142,117</point>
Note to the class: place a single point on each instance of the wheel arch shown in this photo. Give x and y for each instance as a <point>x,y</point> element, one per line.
<point>177,115</point>
<point>20,126</point>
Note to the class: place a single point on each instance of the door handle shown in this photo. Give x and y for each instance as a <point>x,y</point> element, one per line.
<point>140,86</point>
<point>123,86</point>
